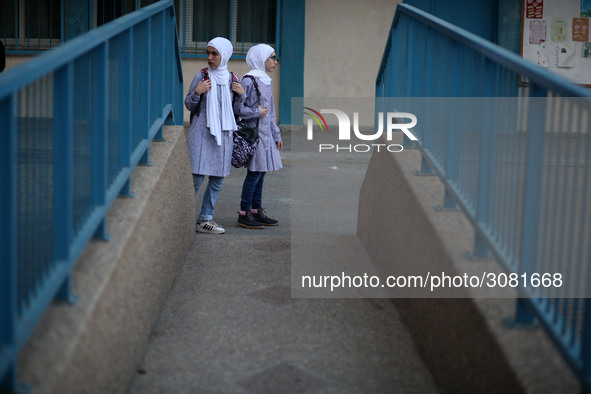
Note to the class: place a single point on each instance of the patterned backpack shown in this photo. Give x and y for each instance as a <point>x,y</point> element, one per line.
<point>245,139</point>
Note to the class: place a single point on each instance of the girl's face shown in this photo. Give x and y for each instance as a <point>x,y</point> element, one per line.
<point>213,57</point>
<point>271,62</point>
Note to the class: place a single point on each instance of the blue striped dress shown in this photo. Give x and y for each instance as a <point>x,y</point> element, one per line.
<point>267,156</point>
<point>206,156</point>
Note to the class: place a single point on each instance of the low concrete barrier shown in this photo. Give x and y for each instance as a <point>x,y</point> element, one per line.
<point>462,339</point>
<point>94,346</point>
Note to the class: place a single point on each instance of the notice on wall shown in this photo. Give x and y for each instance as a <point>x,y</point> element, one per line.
<point>537,31</point>
<point>565,56</point>
<point>555,36</point>
<point>559,30</point>
<point>580,29</point>
<point>534,9</point>
<point>537,54</point>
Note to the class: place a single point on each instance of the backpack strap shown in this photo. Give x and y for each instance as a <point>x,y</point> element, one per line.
<point>256,85</point>
<point>195,112</point>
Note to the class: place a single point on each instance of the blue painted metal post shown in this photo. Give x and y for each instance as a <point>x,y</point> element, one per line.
<point>452,154</point>
<point>62,172</point>
<point>8,255</point>
<point>125,113</point>
<point>487,154</point>
<point>534,166</point>
<point>147,81</point>
<point>429,123</point>
<point>63,165</point>
<point>157,34</point>
<point>98,151</point>
<point>392,70</point>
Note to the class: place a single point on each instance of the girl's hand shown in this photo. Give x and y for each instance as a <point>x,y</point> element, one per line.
<point>279,145</point>
<point>203,87</point>
<point>237,88</point>
<point>264,111</point>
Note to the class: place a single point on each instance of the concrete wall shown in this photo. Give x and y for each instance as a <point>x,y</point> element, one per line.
<point>344,45</point>
<point>13,61</point>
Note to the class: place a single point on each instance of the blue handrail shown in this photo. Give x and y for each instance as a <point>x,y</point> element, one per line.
<point>76,121</point>
<point>512,145</point>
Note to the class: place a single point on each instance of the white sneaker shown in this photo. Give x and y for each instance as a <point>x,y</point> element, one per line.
<point>210,227</point>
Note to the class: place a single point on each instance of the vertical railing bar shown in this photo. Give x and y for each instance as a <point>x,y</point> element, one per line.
<point>98,149</point>
<point>561,147</point>
<point>410,58</point>
<point>27,194</point>
<point>551,199</point>
<point>586,342</point>
<point>62,181</point>
<point>534,160</point>
<point>8,239</point>
<point>34,267</point>
<point>585,232</point>
<point>487,153</point>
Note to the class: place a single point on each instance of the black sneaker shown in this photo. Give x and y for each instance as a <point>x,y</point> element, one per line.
<point>248,221</point>
<point>261,216</point>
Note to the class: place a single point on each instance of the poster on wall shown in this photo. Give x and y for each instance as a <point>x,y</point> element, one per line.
<point>535,9</point>
<point>555,36</point>
<point>559,30</point>
<point>537,31</point>
<point>580,29</point>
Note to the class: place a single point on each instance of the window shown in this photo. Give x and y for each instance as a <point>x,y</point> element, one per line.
<point>30,24</point>
<point>244,22</point>
<point>36,25</point>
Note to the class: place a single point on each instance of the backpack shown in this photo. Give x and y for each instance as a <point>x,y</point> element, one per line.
<point>245,140</point>
<point>205,76</point>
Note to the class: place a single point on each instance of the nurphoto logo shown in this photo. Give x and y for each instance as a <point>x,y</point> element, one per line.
<point>394,121</point>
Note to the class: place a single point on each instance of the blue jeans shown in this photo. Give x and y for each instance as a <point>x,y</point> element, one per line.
<point>214,186</point>
<point>252,191</point>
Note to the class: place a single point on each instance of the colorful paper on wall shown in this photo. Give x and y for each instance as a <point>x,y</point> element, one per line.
<point>580,29</point>
<point>587,49</point>
<point>534,9</point>
<point>536,54</point>
<point>537,31</point>
<point>566,54</point>
<point>559,30</point>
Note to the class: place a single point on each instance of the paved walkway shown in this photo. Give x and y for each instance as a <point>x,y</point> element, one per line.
<point>230,325</point>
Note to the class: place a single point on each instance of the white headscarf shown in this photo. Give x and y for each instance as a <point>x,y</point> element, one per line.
<point>219,78</point>
<point>256,58</point>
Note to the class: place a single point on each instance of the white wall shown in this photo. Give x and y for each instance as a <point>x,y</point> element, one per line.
<point>344,45</point>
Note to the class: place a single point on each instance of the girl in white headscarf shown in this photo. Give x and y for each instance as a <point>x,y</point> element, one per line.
<point>210,134</point>
<point>256,107</point>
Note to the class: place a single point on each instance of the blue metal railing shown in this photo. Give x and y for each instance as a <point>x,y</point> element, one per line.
<point>75,122</point>
<point>512,144</point>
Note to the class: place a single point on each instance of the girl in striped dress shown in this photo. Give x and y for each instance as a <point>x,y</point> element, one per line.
<point>256,107</point>
<point>209,139</point>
